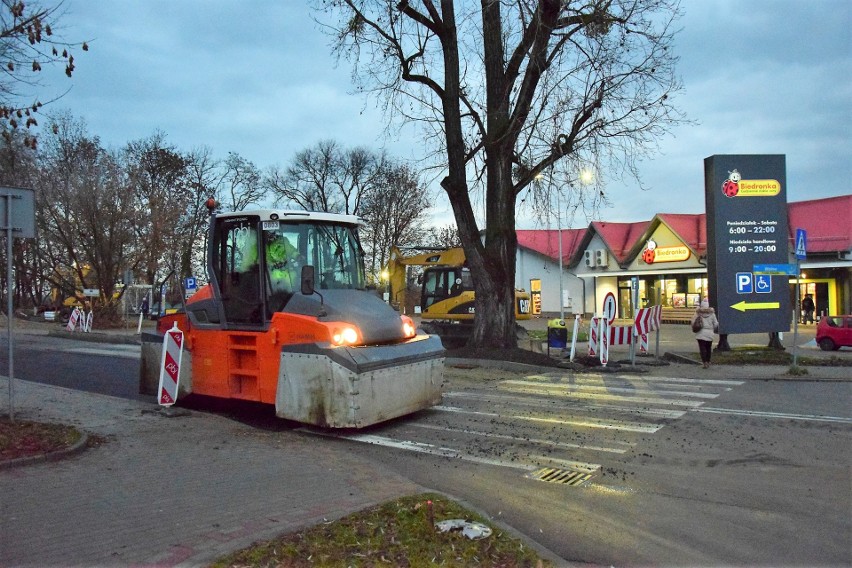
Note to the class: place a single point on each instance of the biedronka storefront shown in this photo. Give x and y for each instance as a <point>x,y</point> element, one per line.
<point>653,258</point>
<point>664,260</point>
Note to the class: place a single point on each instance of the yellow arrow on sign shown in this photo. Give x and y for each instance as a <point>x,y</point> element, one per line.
<point>743,306</point>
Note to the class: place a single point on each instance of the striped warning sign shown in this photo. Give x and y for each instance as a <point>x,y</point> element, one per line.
<point>170,367</point>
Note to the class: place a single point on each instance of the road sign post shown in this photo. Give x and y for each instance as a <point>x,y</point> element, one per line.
<point>17,212</point>
<point>801,254</point>
<point>610,308</point>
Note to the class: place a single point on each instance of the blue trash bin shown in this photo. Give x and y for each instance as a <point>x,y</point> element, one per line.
<point>557,334</point>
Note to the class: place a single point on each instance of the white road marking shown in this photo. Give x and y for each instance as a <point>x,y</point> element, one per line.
<point>451,453</point>
<point>585,422</point>
<point>605,389</point>
<point>633,378</point>
<point>602,396</point>
<point>759,414</point>
<point>526,440</point>
<point>422,448</point>
<point>718,382</point>
<point>538,403</point>
<point>105,352</point>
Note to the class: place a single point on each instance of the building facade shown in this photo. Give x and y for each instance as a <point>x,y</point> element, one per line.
<point>663,261</point>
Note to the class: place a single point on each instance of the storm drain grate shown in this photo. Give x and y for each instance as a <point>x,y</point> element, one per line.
<point>563,476</point>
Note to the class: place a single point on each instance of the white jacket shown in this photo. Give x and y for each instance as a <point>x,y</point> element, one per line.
<point>709,323</point>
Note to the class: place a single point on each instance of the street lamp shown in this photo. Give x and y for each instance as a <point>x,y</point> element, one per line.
<point>384,276</point>
<point>559,234</point>
<point>586,177</point>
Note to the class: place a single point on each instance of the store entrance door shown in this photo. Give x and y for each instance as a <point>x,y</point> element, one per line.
<point>626,309</point>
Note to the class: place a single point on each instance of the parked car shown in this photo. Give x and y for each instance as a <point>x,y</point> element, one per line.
<point>834,332</point>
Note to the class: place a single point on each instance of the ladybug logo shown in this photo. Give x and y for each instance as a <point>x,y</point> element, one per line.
<point>649,254</point>
<point>731,187</point>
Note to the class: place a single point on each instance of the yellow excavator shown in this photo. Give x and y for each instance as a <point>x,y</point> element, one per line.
<point>443,294</point>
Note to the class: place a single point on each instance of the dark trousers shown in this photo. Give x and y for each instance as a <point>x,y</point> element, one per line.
<point>704,347</point>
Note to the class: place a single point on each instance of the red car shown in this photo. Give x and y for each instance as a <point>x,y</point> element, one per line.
<point>834,332</point>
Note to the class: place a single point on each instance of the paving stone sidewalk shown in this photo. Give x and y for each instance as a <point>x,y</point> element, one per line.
<point>170,491</point>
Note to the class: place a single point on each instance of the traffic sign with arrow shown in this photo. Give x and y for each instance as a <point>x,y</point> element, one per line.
<point>743,306</point>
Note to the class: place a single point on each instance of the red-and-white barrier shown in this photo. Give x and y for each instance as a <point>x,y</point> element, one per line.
<point>643,343</point>
<point>79,320</point>
<point>604,336</point>
<point>617,334</point>
<point>593,336</point>
<point>170,367</point>
<point>647,320</point>
<point>73,319</point>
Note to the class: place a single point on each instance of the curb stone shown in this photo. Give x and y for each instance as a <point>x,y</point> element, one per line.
<point>75,448</point>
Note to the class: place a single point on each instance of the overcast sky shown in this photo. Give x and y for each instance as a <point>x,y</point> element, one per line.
<point>257,78</point>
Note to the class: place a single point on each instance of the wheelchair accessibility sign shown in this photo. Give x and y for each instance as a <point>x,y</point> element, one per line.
<point>748,283</point>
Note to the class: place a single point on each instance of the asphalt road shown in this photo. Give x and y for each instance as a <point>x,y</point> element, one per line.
<point>92,367</point>
<point>725,472</point>
<point>610,469</point>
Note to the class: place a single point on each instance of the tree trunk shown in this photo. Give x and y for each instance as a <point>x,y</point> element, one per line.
<point>494,278</point>
<point>494,271</point>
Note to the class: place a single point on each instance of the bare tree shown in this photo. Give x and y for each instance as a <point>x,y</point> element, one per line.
<point>157,177</point>
<point>327,178</point>
<point>508,91</point>
<point>27,42</point>
<point>395,210</point>
<point>239,184</point>
<point>446,236</point>
<point>85,231</point>
<point>234,183</point>
<point>204,176</point>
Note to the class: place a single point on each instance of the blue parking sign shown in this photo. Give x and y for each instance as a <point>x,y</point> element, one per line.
<point>190,283</point>
<point>745,283</point>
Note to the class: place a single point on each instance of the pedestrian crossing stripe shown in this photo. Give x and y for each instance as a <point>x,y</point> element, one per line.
<point>541,390</point>
<point>479,433</point>
<point>583,422</point>
<point>609,389</point>
<point>537,403</point>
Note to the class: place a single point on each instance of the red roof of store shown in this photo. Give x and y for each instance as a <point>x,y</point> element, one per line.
<point>546,242</point>
<point>691,228</point>
<point>619,237</point>
<point>828,223</point>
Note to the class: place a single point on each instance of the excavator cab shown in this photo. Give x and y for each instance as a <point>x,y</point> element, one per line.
<point>444,282</point>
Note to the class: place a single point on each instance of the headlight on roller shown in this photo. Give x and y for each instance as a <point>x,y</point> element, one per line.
<point>345,336</point>
<point>408,328</point>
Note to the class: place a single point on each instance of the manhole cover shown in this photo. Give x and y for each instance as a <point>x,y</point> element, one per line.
<point>563,476</point>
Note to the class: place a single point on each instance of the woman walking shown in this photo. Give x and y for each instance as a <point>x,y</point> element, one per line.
<point>705,325</point>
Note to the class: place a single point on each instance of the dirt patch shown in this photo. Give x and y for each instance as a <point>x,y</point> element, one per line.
<point>23,438</point>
